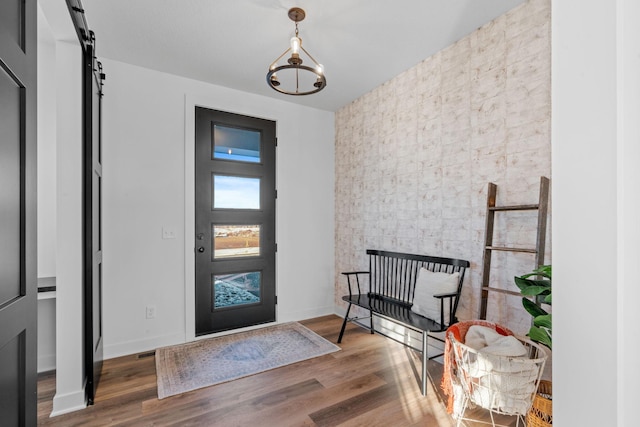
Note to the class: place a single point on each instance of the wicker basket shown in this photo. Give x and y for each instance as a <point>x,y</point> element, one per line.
<point>540,414</point>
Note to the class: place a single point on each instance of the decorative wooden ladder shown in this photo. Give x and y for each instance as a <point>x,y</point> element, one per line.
<point>542,207</point>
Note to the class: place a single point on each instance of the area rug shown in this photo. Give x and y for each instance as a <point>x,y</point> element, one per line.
<point>203,363</point>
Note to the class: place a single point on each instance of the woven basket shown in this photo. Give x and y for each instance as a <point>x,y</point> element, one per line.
<point>540,414</point>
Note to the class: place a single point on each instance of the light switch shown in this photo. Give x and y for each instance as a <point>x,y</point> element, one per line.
<point>168,233</point>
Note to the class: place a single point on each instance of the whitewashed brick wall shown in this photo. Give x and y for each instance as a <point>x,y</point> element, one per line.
<point>415,155</point>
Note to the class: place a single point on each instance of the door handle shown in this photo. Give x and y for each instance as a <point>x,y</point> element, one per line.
<point>201,249</point>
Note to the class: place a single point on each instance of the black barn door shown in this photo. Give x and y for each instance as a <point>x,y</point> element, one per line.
<point>18,283</point>
<point>92,221</point>
<point>92,80</point>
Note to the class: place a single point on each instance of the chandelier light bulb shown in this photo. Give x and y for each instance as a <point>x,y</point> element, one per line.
<point>320,69</point>
<point>295,44</point>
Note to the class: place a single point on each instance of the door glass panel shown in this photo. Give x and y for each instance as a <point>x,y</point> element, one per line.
<point>242,145</point>
<point>236,289</point>
<point>234,192</point>
<point>231,241</point>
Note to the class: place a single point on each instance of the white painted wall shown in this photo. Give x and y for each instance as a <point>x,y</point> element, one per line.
<point>60,121</point>
<point>628,315</point>
<point>46,333</point>
<point>46,150</point>
<point>595,151</point>
<point>148,128</point>
<point>47,193</point>
<point>69,307</point>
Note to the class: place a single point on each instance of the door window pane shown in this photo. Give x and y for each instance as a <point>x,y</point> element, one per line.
<point>231,241</point>
<point>242,145</point>
<point>234,192</point>
<point>236,289</point>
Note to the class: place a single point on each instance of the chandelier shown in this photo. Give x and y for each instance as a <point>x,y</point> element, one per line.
<point>293,78</point>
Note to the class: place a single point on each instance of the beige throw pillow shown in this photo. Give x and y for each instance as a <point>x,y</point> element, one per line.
<point>429,284</point>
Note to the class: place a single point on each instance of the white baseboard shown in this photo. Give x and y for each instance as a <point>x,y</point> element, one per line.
<point>140,346</point>
<point>69,402</point>
<point>295,316</point>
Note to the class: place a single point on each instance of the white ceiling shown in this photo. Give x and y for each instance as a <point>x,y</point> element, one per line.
<point>361,43</point>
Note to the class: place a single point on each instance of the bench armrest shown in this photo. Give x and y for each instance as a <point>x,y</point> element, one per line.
<point>450,297</point>
<point>357,274</point>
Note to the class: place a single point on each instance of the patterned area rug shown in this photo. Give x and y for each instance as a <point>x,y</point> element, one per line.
<point>198,364</point>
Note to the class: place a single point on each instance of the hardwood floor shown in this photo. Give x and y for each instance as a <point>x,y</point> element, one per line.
<point>372,381</point>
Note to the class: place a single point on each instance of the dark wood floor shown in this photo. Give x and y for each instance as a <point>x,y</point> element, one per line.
<point>372,381</point>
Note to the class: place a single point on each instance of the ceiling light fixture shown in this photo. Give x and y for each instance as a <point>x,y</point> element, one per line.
<point>294,77</point>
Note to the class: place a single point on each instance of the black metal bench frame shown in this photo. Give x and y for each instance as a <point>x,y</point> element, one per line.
<point>392,280</point>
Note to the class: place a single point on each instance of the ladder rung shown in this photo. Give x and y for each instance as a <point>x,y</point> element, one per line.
<point>501,291</point>
<point>500,248</point>
<point>514,208</point>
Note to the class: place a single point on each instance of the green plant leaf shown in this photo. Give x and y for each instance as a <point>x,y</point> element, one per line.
<point>543,283</point>
<point>523,283</point>
<point>543,321</point>
<point>526,276</point>
<point>547,299</point>
<point>535,290</point>
<point>532,308</point>
<point>543,270</point>
<point>540,335</point>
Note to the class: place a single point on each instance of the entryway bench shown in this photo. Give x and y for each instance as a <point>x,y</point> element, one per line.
<point>392,288</point>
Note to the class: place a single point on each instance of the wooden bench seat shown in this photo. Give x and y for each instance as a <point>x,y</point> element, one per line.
<point>390,293</point>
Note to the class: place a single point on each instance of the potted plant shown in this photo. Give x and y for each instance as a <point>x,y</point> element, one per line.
<point>537,284</point>
<point>538,287</point>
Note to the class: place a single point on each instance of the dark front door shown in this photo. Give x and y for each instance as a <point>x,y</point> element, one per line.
<point>18,284</point>
<point>234,221</point>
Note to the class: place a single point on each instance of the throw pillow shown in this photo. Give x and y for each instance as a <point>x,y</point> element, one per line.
<point>429,284</point>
